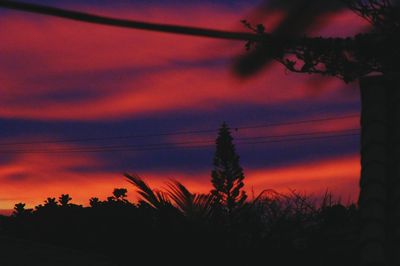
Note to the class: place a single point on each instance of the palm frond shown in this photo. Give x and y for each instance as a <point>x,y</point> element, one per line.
<point>156,199</point>
<point>203,203</point>
<point>181,196</point>
<point>190,204</point>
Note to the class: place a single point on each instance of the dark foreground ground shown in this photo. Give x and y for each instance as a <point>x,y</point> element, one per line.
<point>28,253</point>
<point>131,236</point>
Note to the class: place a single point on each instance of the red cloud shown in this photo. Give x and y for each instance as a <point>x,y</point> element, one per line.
<point>31,178</point>
<point>174,89</point>
<point>338,175</point>
<point>153,72</point>
<point>347,123</point>
<point>340,24</point>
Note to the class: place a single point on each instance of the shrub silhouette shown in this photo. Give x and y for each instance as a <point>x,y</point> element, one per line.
<point>288,228</point>
<point>94,202</point>
<point>120,194</point>
<point>64,200</point>
<point>20,211</point>
<point>285,228</point>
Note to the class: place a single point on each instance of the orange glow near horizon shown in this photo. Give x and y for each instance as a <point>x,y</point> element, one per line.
<point>59,73</point>
<point>338,175</point>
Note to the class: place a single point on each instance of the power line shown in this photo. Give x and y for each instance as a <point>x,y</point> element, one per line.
<point>298,122</point>
<point>169,146</point>
<point>300,134</point>
<point>176,133</point>
<point>178,147</point>
<point>124,23</point>
<point>211,141</point>
<point>110,138</point>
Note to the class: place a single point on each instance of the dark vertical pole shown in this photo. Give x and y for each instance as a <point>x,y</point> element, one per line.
<point>392,83</point>
<point>379,188</point>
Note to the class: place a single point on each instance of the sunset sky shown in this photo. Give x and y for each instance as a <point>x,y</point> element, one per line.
<point>69,81</point>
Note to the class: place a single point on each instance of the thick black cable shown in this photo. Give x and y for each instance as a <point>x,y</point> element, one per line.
<point>125,23</point>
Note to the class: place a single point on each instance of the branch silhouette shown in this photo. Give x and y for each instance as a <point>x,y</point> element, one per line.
<point>346,58</point>
<point>125,23</point>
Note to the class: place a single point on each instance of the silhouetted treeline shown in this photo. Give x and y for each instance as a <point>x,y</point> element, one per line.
<point>284,229</point>
<point>178,227</point>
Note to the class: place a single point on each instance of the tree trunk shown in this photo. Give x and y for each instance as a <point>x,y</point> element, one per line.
<point>379,199</point>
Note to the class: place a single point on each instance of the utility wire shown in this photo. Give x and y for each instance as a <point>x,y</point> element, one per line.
<point>300,134</point>
<point>177,29</point>
<point>298,122</point>
<point>176,133</point>
<point>171,146</point>
<point>178,147</point>
<point>211,141</point>
<point>185,30</point>
<point>133,24</point>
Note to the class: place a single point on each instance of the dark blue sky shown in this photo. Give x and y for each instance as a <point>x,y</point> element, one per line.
<point>68,80</point>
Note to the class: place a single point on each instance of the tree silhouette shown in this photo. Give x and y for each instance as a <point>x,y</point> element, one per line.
<point>64,200</point>
<point>94,202</point>
<point>347,58</point>
<point>227,175</point>
<point>380,13</point>
<point>120,194</point>
<point>354,58</point>
<point>50,203</point>
<point>20,211</point>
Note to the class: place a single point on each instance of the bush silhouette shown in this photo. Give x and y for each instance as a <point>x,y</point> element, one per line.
<point>220,227</point>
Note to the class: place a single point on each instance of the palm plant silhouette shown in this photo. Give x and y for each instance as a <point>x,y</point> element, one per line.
<point>347,58</point>
<point>192,205</point>
<point>156,199</point>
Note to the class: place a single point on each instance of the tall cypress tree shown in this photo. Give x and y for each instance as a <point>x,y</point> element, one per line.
<point>227,175</point>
